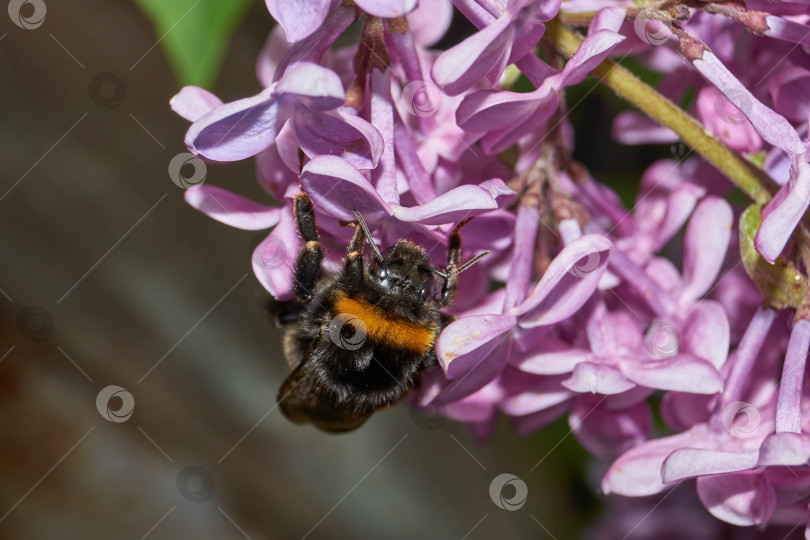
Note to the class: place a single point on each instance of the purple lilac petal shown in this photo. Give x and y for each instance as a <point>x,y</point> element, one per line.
<point>634,128</point>
<point>271,55</point>
<point>771,126</point>
<point>274,258</point>
<point>637,472</point>
<point>746,354</point>
<point>458,68</point>
<point>453,206</point>
<point>743,499</point>
<point>336,133</point>
<point>288,148</point>
<point>569,281</point>
<point>683,373</point>
<point>788,89</point>
<point>232,209</point>
<point>382,118</point>
<point>387,8</point>
<point>680,202</point>
<point>488,110</point>
<point>531,423</point>
<point>784,449</point>
<point>706,333</point>
<point>192,103</point>
<point>681,411</point>
<point>421,184</point>
<point>272,173</point>
<point>781,215</point>
<point>430,21</point>
<point>692,462</point>
<point>492,231</point>
<point>737,133</point>
<point>789,403</point>
<point>238,130</point>
<point>532,401</point>
<point>338,188</point>
<point>486,367</point>
<point>313,86</point>
<point>597,378</point>
<point>520,273</point>
<point>787,30</point>
<point>501,139</point>
<point>608,18</point>
<point>312,48</point>
<point>300,18</point>
<point>476,407</point>
<point>606,433</point>
<point>590,54</point>
<point>705,245</point>
<point>552,363</point>
<point>466,342</point>
<point>499,191</point>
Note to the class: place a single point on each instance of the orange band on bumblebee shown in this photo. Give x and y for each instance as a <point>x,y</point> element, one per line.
<point>388,328</point>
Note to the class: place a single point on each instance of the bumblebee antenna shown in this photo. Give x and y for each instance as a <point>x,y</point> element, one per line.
<point>461,268</point>
<point>472,261</point>
<point>368,236</point>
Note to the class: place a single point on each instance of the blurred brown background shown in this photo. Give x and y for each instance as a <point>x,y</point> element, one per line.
<point>126,278</point>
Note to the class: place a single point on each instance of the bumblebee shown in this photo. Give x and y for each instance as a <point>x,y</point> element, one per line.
<point>358,340</point>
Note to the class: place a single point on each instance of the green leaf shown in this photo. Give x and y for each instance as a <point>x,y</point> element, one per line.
<point>781,283</point>
<point>194,34</point>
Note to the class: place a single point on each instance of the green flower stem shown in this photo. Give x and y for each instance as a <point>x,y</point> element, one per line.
<point>745,175</point>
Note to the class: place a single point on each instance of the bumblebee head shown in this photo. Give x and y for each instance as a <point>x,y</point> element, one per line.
<point>403,269</point>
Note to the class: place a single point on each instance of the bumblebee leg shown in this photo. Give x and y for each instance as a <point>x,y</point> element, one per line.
<point>353,267</point>
<point>453,261</point>
<point>308,264</point>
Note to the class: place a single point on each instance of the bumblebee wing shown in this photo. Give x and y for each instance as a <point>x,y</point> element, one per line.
<point>301,403</point>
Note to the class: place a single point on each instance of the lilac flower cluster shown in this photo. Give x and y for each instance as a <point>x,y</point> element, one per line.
<point>591,320</point>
